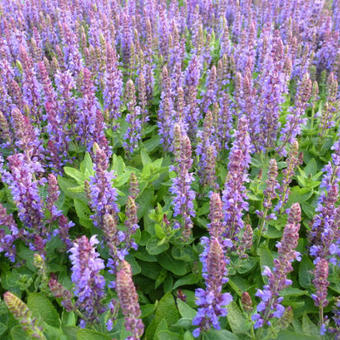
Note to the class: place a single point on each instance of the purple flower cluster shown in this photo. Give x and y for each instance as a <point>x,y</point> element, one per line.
<point>89,283</point>
<point>133,118</point>
<point>211,301</point>
<point>101,193</point>
<point>21,180</point>
<point>325,235</point>
<point>234,193</point>
<point>270,305</point>
<point>181,184</point>
<point>9,234</point>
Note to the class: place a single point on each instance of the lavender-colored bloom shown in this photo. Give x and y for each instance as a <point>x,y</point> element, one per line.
<point>166,111</point>
<point>114,239</point>
<point>131,222</point>
<point>211,301</point>
<point>90,123</point>
<point>128,299</point>
<point>331,106</point>
<point>234,193</point>
<point>294,119</point>
<point>271,185</point>
<point>26,136</point>
<point>113,86</point>
<point>191,111</point>
<point>181,184</point>
<point>58,140</point>
<point>60,292</point>
<point>63,230</point>
<point>324,235</point>
<point>133,133</point>
<point>224,122</point>
<point>321,283</point>
<point>25,191</point>
<point>89,284</point>
<point>216,216</point>
<point>209,96</point>
<point>101,193</point>
<point>52,197</point>
<point>65,83</point>
<point>30,85</point>
<point>270,305</point>
<point>246,241</point>
<point>9,235</point>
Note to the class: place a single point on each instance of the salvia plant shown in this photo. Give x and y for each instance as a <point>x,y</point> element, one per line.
<point>169,169</point>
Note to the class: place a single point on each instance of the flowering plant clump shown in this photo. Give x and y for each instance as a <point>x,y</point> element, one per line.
<point>170,169</point>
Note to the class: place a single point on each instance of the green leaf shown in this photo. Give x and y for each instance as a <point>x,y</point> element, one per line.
<point>86,334</point>
<point>86,166</point>
<point>68,318</point>
<point>291,291</point>
<point>135,267</point>
<point>183,323</point>
<point>143,255</point>
<point>83,213</point>
<point>145,202</point>
<point>72,189</point>
<point>288,335</point>
<point>187,280</point>
<point>177,267</point>
<point>311,168</point>
<point>188,336</point>
<point>185,310</point>
<point>167,335</point>
<point>306,268</point>
<point>219,335</point>
<point>156,246</point>
<point>152,143</point>
<point>237,321</point>
<point>160,278</point>
<point>145,157</point>
<point>17,333</point>
<point>3,328</point>
<point>166,309</point>
<point>183,253</point>
<point>118,165</point>
<point>299,195</point>
<point>308,327</point>
<point>246,265</point>
<point>147,310</point>
<point>266,258</point>
<point>42,307</point>
<point>75,174</point>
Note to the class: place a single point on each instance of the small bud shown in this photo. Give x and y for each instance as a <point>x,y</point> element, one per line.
<point>23,315</point>
<point>133,186</point>
<point>246,301</point>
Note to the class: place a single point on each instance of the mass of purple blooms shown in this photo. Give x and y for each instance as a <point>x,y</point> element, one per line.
<point>170,169</point>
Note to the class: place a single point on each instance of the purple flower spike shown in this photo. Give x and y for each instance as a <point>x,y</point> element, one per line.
<point>270,305</point>
<point>234,193</point>
<point>89,284</point>
<point>102,194</point>
<point>211,301</point>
